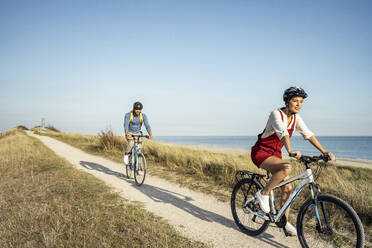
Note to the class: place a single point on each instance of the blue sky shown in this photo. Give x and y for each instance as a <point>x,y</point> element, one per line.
<point>199,67</point>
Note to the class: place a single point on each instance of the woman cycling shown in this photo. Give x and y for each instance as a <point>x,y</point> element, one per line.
<point>266,153</point>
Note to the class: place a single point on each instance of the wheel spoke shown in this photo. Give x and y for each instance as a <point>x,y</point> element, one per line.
<point>140,170</point>
<point>241,210</point>
<point>329,223</point>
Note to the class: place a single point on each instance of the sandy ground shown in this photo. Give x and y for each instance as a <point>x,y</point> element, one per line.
<point>196,215</point>
<point>217,149</point>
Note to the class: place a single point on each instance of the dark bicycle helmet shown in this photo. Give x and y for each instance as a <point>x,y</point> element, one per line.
<point>292,92</point>
<point>137,105</point>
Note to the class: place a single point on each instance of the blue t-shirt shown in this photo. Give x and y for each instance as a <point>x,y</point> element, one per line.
<point>135,125</point>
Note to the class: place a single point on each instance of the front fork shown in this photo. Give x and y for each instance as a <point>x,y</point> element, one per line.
<point>314,196</point>
<point>134,160</point>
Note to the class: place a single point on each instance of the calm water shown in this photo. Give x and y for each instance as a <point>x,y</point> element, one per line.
<point>342,146</point>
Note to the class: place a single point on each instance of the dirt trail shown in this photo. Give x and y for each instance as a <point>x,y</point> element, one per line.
<point>196,215</point>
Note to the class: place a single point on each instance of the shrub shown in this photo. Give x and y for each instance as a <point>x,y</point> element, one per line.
<point>52,128</point>
<point>21,127</point>
<point>108,141</point>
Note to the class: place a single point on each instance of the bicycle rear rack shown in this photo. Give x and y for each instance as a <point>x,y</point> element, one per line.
<point>241,174</point>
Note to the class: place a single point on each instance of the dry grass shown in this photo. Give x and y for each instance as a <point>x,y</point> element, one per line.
<point>21,128</point>
<point>214,172</point>
<point>7,133</point>
<point>49,128</point>
<point>52,128</point>
<point>108,141</point>
<point>45,202</point>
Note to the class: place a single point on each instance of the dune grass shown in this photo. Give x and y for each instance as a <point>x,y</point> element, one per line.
<point>45,202</point>
<point>214,172</point>
<point>8,133</point>
<point>47,128</point>
<point>21,128</point>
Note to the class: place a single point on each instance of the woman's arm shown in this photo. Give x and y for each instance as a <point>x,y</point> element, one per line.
<point>287,144</point>
<point>278,125</point>
<point>280,128</point>
<point>314,141</point>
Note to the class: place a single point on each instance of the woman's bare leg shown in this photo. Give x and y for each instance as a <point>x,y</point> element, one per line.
<point>286,193</point>
<point>279,170</point>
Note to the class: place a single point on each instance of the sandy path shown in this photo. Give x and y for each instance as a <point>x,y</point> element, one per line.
<point>196,215</point>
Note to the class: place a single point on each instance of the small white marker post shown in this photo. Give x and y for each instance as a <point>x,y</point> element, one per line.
<point>43,124</point>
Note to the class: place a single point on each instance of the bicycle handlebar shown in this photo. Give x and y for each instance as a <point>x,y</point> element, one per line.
<point>140,135</point>
<point>308,159</point>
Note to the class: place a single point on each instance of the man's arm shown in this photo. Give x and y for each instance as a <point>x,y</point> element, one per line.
<point>147,125</point>
<point>126,125</point>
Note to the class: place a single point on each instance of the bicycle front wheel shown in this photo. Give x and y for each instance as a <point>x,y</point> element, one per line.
<point>242,206</point>
<point>140,170</point>
<point>330,222</point>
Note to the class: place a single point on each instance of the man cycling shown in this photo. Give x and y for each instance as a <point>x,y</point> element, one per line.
<point>266,153</point>
<point>132,126</point>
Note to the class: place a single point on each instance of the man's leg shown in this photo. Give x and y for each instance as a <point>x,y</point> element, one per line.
<point>130,144</point>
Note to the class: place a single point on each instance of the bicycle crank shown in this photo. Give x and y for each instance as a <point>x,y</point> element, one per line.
<point>282,222</point>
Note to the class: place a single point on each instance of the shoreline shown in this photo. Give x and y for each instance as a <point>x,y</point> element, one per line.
<point>355,162</point>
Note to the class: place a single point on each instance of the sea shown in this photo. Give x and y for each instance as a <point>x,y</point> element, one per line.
<point>353,147</point>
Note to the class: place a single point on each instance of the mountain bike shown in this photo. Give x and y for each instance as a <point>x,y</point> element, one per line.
<point>137,161</point>
<point>322,221</point>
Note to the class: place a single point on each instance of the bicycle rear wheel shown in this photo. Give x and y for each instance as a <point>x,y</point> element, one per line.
<point>128,168</point>
<point>330,222</point>
<point>140,170</point>
<point>247,222</point>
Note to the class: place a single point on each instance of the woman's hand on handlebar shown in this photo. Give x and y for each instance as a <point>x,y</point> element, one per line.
<point>330,155</point>
<point>296,154</point>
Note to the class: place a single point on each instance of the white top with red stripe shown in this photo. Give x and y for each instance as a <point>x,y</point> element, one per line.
<point>275,124</point>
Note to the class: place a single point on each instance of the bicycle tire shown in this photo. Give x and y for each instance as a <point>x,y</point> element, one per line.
<point>128,167</point>
<point>241,187</point>
<point>138,177</point>
<point>336,232</point>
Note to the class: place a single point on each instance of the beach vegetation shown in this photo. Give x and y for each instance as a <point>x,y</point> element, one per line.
<point>214,173</point>
<point>46,202</point>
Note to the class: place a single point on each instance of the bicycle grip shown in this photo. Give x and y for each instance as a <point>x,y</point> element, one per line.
<point>326,158</point>
<point>293,154</point>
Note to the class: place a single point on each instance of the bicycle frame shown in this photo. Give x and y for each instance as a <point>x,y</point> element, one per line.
<point>307,178</point>
<point>135,151</point>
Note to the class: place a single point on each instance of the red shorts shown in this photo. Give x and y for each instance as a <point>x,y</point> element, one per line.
<point>259,154</point>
